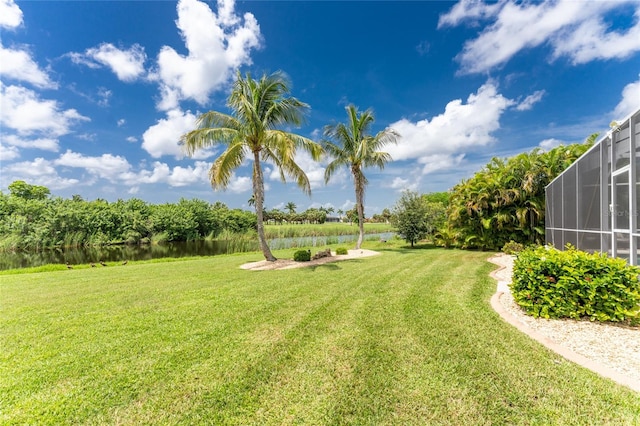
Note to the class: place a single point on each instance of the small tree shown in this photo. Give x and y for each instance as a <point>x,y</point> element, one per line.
<point>21,189</point>
<point>352,215</point>
<point>410,217</point>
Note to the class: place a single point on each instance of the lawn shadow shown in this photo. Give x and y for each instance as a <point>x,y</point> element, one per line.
<point>330,266</point>
<point>406,249</point>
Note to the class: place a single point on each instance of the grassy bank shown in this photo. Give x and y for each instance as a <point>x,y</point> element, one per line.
<point>326,229</point>
<point>407,337</point>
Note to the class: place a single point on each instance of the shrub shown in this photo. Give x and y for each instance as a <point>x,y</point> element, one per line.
<point>512,247</point>
<point>550,283</point>
<point>302,256</point>
<point>342,250</point>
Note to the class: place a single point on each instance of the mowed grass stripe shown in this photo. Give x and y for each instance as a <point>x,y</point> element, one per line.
<point>407,337</point>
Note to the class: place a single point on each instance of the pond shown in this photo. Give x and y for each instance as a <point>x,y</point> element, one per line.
<point>120,253</point>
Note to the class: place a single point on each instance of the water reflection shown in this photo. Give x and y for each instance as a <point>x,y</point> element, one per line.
<point>79,256</point>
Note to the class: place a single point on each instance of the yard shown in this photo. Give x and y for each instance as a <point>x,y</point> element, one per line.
<point>407,337</point>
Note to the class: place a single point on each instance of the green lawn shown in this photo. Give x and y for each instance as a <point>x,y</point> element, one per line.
<point>404,338</point>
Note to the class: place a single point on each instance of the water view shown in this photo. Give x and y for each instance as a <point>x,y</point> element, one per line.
<point>120,253</point>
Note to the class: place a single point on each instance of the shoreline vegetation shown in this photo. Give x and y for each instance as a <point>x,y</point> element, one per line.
<point>31,220</point>
<point>405,337</point>
<point>279,237</point>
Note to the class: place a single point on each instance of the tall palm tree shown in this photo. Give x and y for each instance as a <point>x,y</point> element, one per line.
<point>350,145</point>
<point>257,107</point>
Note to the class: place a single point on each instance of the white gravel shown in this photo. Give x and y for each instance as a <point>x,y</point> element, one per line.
<point>614,346</point>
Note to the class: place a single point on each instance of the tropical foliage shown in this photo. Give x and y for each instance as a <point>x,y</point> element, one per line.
<point>350,145</point>
<point>505,201</point>
<point>251,131</point>
<point>28,222</point>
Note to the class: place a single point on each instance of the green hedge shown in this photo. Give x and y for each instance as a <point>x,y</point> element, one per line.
<point>342,250</point>
<point>550,283</point>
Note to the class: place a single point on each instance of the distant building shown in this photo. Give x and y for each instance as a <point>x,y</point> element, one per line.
<point>594,204</point>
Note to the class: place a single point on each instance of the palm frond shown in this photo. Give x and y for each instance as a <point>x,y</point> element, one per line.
<point>289,110</point>
<point>224,166</point>
<point>213,119</point>
<point>204,138</point>
<point>377,159</point>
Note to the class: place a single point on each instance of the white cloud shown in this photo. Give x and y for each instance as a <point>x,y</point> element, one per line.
<point>549,144</point>
<point>574,29</point>
<point>132,139</point>
<point>182,176</point>
<point>162,173</point>
<point>10,14</point>
<point>591,40</point>
<point>163,137</point>
<point>530,101</point>
<point>630,101</point>
<point>437,162</point>
<point>127,64</point>
<point>121,122</point>
<point>217,45</point>
<point>401,184</point>
<point>106,166</point>
<point>469,10</point>
<point>25,112</point>
<point>113,168</point>
<point>38,172</point>
<point>18,65</point>
<point>240,184</point>
<point>439,142</point>
<point>45,144</point>
<point>8,153</point>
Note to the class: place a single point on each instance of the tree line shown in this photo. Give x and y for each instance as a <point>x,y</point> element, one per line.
<point>31,219</point>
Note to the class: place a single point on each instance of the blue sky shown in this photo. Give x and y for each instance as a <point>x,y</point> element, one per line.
<point>95,95</point>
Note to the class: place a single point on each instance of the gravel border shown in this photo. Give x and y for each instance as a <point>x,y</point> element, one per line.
<point>608,349</point>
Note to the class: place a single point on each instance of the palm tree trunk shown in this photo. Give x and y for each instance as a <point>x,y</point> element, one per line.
<point>258,193</point>
<point>359,184</point>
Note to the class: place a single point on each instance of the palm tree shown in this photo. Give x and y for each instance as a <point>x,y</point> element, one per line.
<point>257,108</point>
<point>350,145</point>
<point>291,207</point>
